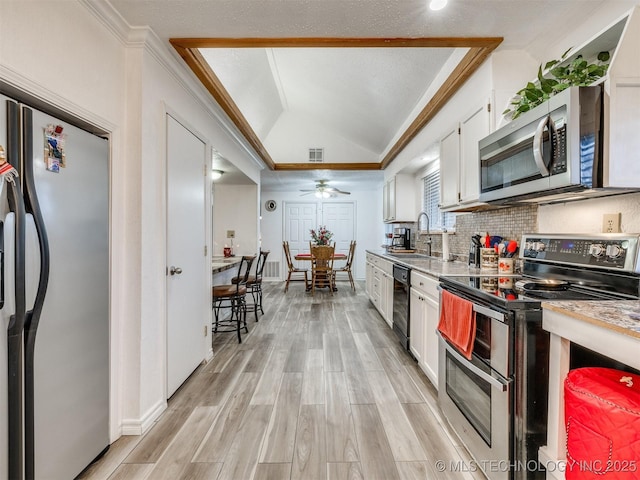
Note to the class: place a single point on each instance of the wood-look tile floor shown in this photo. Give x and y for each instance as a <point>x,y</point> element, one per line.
<point>319,389</point>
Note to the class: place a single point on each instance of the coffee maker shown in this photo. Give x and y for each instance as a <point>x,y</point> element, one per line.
<point>474,251</point>
<point>401,238</point>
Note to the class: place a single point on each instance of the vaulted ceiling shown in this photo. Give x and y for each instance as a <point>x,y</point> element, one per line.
<point>358,78</point>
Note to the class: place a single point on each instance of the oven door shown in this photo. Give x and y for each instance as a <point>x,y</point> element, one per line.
<point>476,395</point>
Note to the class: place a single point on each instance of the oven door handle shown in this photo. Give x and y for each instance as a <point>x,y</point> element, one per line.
<point>489,313</point>
<point>500,383</point>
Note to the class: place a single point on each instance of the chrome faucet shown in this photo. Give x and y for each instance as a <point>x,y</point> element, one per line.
<point>428,233</point>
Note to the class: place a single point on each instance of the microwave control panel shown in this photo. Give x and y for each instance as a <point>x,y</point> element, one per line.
<point>598,251</point>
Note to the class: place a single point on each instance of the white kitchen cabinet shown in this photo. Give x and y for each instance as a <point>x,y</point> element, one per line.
<point>379,288</point>
<point>399,203</point>
<point>416,324</point>
<point>425,308</point>
<point>460,162</point>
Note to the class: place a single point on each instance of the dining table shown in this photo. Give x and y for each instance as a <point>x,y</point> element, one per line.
<point>322,282</point>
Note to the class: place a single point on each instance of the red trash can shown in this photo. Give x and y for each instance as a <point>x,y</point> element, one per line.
<point>602,414</point>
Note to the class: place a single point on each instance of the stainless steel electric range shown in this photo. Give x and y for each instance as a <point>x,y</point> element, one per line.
<point>497,401</point>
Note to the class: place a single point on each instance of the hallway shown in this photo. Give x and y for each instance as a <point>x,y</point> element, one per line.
<point>319,389</point>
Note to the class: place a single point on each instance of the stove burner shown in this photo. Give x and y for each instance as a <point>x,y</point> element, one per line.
<point>541,284</point>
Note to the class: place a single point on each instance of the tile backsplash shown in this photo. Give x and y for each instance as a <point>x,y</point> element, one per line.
<point>510,223</point>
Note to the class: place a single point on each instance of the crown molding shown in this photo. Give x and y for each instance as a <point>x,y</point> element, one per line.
<point>327,166</point>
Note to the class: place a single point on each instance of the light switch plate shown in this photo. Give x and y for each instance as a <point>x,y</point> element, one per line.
<point>231,234</point>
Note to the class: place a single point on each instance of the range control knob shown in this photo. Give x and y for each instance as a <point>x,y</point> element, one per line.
<point>597,249</point>
<point>614,251</point>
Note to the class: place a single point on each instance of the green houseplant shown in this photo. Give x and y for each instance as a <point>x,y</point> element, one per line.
<point>556,77</point>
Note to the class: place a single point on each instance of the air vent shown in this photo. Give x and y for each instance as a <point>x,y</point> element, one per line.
<point>316,155</point>
<point>271,270</point>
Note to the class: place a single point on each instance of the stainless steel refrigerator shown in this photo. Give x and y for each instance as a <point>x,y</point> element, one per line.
<point>54,305</point>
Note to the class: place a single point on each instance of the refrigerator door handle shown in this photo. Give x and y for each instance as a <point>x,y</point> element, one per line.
<point>32,320</point>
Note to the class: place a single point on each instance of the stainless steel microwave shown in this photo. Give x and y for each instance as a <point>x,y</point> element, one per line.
<point>547,152</point>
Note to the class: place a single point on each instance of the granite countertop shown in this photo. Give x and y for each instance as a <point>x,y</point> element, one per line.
<point>433,266</point>
<point>220,264</point>
<point>622,316</point>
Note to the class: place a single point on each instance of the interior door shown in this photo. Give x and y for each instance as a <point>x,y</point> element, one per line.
<point>339,219</point>
<point>299,218</point>
<point>188,296</point>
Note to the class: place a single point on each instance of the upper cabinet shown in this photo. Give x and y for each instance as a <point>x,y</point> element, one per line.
<point>398,202</point>
<point>459,161</point>
<point>622,103</point>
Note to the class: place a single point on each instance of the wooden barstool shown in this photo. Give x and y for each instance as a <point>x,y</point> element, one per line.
<point>233,297</point>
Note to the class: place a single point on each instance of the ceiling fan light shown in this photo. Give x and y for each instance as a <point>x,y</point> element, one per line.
<point>325,195</point>
<point>318,194</point>
<point>216,174</point>
<point>437,4</point>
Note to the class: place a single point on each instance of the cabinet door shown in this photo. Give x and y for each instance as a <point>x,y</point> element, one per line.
<point>391,199</point>
<point>430,356</point>
<point>369,280</point>
<point>386,297</point>
<point>416,325</point>
<point>385,202</point>
<point>449,169</point>
<point>473,128</point>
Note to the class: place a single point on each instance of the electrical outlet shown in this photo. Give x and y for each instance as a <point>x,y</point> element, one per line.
<point>231,234</point>
<point>611,222</point>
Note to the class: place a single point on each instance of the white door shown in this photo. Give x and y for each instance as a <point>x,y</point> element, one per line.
<point>299,218</point>
<point>188,296</point>
<point>339,219</point>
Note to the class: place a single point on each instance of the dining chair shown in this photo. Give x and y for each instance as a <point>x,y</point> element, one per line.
<point>233,297</point>
<point>346,268</point>
<point>322,266</point>
<point>254,284</point>
<point>293,270</point>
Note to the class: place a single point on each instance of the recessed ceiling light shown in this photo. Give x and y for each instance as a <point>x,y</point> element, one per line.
<point>437,4</point>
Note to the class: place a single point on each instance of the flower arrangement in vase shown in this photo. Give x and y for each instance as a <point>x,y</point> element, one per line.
<point>321,236</point>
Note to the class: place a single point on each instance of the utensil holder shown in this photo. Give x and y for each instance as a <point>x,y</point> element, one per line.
<point>505,265</point>
<point>488,259</point>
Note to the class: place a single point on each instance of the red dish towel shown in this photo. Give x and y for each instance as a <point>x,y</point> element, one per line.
<point>457,322</point>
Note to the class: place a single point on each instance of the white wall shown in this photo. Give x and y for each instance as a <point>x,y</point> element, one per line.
<point>585,216</point>
<point>124,81</point>
<point>235,208</point>
<point>369,226</point>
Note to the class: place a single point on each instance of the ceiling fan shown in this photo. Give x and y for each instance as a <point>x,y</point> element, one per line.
<point>323,190</point>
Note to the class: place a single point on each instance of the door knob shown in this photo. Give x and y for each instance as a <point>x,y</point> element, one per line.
<point>175,270</point>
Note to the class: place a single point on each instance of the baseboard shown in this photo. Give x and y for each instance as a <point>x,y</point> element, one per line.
<point>141,426</point>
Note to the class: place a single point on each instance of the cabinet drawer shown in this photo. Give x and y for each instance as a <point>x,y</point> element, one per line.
<point>425,284</point>
<point>385,266</point>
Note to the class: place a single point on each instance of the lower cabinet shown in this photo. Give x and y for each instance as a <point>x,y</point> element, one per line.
<point>379,278</point>
<point>425,310</point>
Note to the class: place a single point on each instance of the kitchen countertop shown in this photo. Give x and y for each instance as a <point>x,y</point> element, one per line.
<point>433,266</point>
<point>220,264</point>
<point>621,316</point>
<point>610,328</point>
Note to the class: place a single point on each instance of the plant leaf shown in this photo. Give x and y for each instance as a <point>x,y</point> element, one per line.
<point>604,56</point>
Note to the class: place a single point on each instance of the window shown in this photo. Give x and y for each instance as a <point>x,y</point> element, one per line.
<point>438,220</point>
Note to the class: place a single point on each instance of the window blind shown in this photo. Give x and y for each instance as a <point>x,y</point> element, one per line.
<point>438,220</point>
